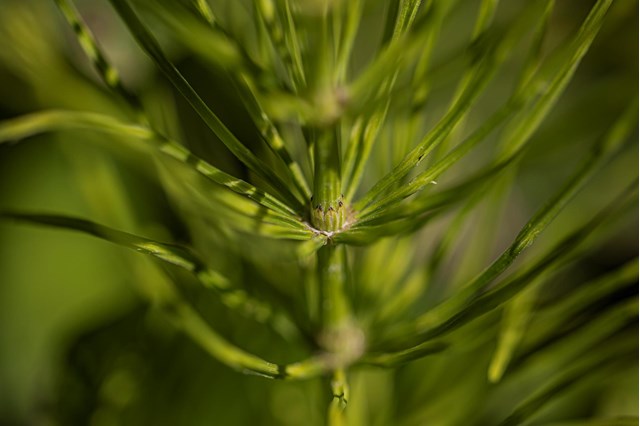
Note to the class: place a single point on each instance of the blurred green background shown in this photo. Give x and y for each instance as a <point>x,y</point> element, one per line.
<point>77,344</point>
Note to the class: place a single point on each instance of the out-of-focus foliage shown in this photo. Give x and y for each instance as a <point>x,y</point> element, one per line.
<point>452,337</point>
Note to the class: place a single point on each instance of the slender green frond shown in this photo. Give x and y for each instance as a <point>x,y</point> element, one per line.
<point>515,321</point>
<point>233,297</point>
<point>481,73</point>
<point>353,14</point>
<point>187,319</point>
<point>209,42</point>
<point>26,126</point>
<point>525,238</point>
<point>428,177</point>
<point>457,311</point>
<point>107,72</point>
<point>359,151</point>
<point>30,125</point>
<point>525,127</point>
<point>272,136</point>
<point>279,29</point>
<point>244,82</point>
<point>152,48</point>
<point>292,42</point>
<point>484,17</point>
<point>567,309</point>
<point>205,11</point>
<point>564,348</point>
<point>534,56</point>
<point>599,364</point>
<point>520,134</point>
<point>395,359</point>
<point>406,16</point>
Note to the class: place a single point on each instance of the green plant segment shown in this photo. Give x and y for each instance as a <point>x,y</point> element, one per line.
<point>342,180</point>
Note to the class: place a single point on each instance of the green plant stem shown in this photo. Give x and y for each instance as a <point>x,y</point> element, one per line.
<point>336,415</point>
<point>332,275</point>
<point>328,211</point>
<point>342,341</point>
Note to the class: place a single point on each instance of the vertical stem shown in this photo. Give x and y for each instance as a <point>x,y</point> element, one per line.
<point>342,341</point>
<point>327,210</point>
<point>336,415</point>
<point>340,338</point>
<point>334,306</point>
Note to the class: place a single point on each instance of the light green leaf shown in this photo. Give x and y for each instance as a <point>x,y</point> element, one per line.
<point>153,49</point>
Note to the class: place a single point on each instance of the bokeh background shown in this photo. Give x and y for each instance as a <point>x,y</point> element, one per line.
<point>77,343</point>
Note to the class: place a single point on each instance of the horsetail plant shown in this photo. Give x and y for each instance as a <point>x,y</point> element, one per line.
<point>374,149</point>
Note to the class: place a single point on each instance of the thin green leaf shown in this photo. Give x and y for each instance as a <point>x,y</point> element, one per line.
<point>515,320</point>
<point>152,48</point>
<point>569,308</point>
<point>480,74</point>
<point>187,319</point>
<point>428,177</point>
<point>29,125</point>
<point>592,292</point>
<point>292,40</point>
<point>271,25</point>
<point>229,210</point>
<point>579,48</point>
<point>107,72</point>
<point>534,56</point>
<point>207,41</point>
<point>485,15</point>
<point>359,151</point>
<point>452,314</point>
<point>201,39</point>
<point>205,11</point>
<point>562,349</point>
<point>393,56</point>
<point>525,238</point>
<point>603,149</point>
<point>390,360</point>
<point>353,11</point>
<point>406,16</point>
<point>600,364</point>
<point>523,128</point>
<point>233,297</point>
